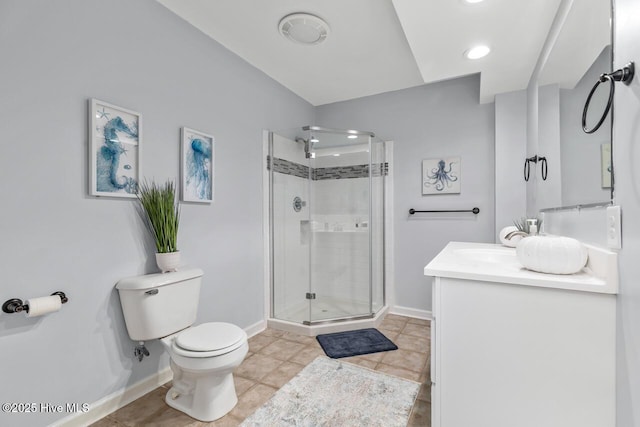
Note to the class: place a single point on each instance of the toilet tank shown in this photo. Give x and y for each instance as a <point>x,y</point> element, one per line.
<point>157,305</point>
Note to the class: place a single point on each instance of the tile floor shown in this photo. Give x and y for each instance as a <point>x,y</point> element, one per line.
<point>275,357</point>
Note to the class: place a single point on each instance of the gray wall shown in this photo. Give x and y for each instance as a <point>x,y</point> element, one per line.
<point>549,191</point>
<point>532,147</point>
<point>436,120</point>
<point>580,152</point>
<point>511,137</point>
<point>136,54</point>
<point>626,154</point>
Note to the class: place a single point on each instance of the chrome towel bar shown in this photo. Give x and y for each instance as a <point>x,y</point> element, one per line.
<point>475,211</point>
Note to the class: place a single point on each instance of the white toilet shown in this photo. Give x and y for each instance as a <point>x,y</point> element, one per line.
<point>203,357</point>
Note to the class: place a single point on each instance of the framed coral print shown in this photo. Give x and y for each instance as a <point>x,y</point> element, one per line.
<point>441,176</point>
<point>196,166</point>
<point>115,134</point>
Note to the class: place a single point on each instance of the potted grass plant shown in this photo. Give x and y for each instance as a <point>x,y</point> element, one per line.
<point>161,213</point>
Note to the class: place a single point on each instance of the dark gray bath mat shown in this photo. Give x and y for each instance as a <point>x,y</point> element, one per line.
<point>354,343</point>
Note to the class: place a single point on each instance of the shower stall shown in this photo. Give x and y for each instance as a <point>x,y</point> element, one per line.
<point>326,227</point>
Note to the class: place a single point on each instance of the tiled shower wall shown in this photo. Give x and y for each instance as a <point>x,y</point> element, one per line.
<point>288,167</point>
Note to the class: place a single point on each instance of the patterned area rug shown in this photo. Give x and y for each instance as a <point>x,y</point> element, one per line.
<point>332,393</point>
<point>354,343</point>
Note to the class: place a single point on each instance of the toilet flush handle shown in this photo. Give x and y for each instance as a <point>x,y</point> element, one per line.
<point>152,292</point>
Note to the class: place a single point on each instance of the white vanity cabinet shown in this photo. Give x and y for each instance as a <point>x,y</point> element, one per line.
<point>507,354</point>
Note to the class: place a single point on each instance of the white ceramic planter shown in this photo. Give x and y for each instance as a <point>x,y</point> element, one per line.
<point>551,254</point>
<point>169,261</point>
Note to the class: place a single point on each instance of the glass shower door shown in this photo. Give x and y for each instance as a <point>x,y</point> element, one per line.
<point>379,171</point>
<point>290,227</point>
<point>340,245</point>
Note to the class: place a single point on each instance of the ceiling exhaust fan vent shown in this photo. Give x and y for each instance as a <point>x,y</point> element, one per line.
<point>304,28</point>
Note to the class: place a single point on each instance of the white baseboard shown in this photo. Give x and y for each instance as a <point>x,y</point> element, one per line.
<point>123,397</point>
<point>115,400</point>
<point>411,312</point>
<point>256,328</point>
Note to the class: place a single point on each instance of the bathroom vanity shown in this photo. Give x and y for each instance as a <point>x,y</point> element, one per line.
<point>513,347</point>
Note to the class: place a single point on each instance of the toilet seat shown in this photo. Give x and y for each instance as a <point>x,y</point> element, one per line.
<point>209,340</point>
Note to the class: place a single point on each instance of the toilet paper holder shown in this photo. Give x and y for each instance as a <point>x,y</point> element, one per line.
<point>15,305</point>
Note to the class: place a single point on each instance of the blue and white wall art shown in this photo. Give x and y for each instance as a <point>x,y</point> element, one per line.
<point>441,176</point>
<point>115,135</point>
<point>197,166</point>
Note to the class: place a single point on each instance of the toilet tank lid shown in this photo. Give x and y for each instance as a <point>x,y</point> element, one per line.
<point>149,281</point>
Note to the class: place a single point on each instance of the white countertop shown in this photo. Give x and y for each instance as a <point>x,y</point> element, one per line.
<point>497,263</point>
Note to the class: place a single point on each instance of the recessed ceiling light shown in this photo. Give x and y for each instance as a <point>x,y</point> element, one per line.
<point>352,136</point>
<point>473,1</point>
<point>304,28</point>
<point>477,52</point>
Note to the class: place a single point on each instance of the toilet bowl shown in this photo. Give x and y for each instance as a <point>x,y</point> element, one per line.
<point>203,358</point>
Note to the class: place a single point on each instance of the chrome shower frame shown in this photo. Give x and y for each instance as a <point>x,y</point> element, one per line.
<point>371,319</point>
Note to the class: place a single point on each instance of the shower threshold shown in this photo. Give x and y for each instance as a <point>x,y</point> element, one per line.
<point>337,319</point>
<point>331,325</point>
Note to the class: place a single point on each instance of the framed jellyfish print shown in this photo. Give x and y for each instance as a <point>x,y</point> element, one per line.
<point>441,176</point>
<point>196,166</point>
<point>115,134</point>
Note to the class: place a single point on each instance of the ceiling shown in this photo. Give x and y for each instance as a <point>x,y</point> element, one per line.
<point>376,46</point>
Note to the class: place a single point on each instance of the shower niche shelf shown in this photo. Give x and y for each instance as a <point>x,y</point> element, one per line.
<point>316,226</point>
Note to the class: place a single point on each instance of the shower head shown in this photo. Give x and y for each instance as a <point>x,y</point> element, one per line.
<point>307,146</point>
